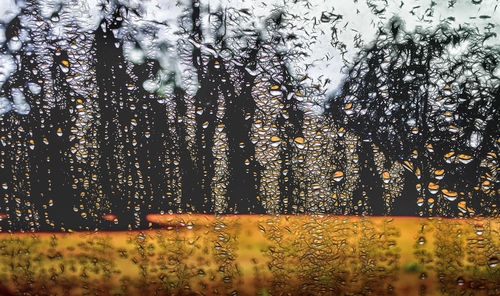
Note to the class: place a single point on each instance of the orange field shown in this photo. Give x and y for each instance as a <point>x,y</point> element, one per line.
<point>260,255</point>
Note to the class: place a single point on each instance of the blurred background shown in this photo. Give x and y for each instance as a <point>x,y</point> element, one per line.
<point>113,110</point>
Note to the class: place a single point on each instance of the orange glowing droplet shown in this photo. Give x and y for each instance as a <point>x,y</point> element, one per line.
<point>408,165</point>
<point>462,206</point>
<point>448,155</point>
<point>299,140</point>
<point>449,193</point>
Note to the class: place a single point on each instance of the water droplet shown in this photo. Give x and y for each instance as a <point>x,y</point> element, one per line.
<point>462,207</point>
<point>275,90</point>
<point>486,185</point>
<point>433,188</point>
<point>338,176</point>
<point>385,177</point>
<point>275,141</point>
<point>449,157</point>
<point>479,228</point>
<point>408,165</point>
<point>439,174</point>
<point>465,159</point>
<point>299,142</point>
<point>449,195</point>
<point>493,262</point>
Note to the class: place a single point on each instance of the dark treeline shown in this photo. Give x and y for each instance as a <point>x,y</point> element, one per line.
<point>430,108</point>
<point>99,140</point>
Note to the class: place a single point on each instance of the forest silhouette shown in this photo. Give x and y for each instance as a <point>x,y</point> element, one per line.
<point>413,130</point>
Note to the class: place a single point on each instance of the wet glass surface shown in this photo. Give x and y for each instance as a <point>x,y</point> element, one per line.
<point>364,134</point>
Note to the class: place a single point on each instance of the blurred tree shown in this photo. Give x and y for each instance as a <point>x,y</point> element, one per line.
<point>421,96</point>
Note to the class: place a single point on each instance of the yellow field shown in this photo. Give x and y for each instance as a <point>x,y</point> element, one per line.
<point>260,255</point>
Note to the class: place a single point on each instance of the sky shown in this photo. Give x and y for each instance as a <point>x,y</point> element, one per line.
<point>328,52</point>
